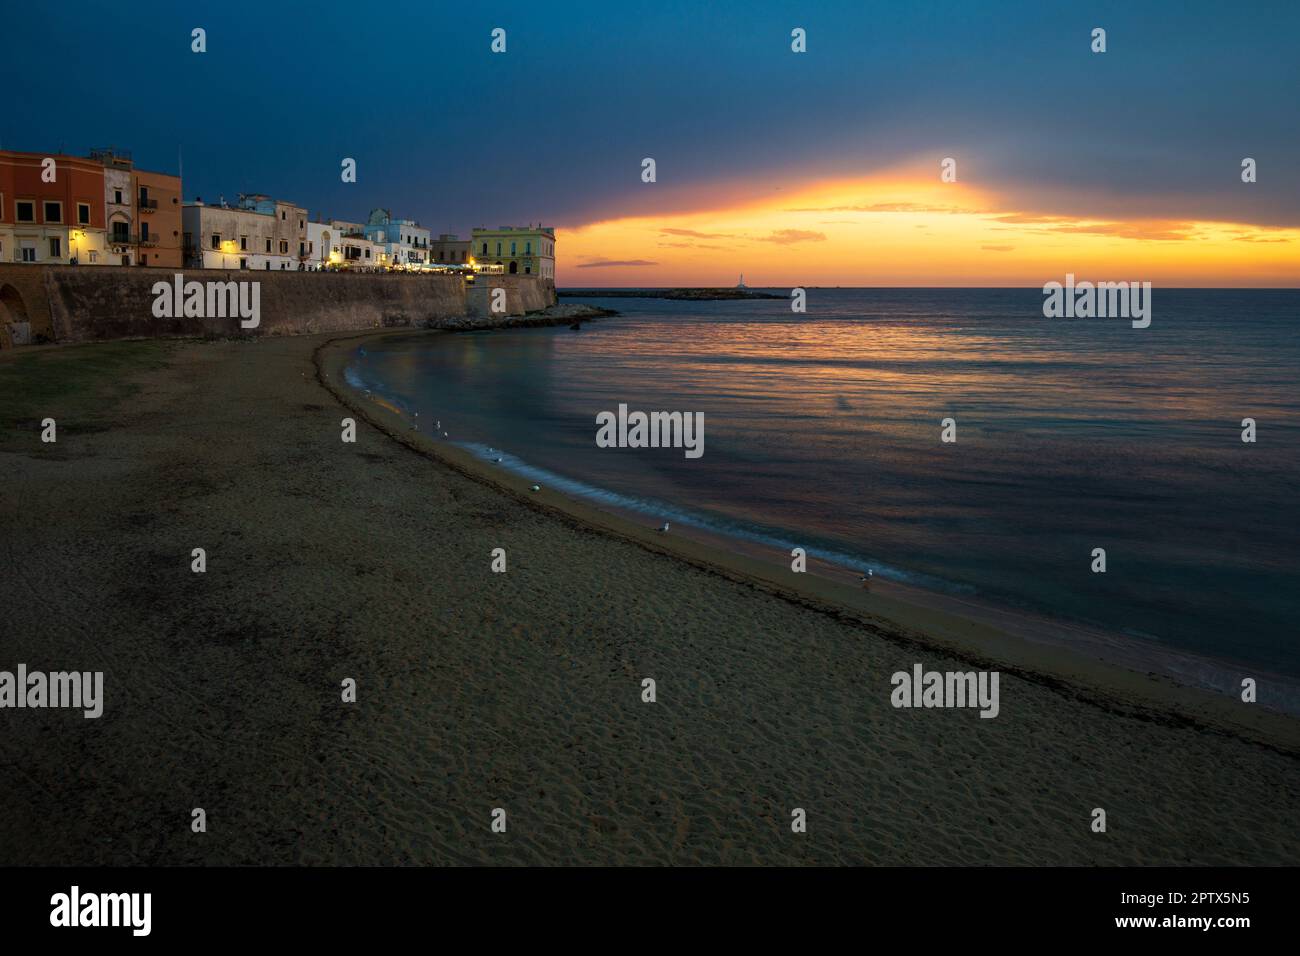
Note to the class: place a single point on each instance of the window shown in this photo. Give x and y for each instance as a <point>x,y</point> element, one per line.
<point>117,197</point>
<point>94,256</point>
<point>268,248</point>
<point>301,224</point>
<point>512,248</point>
<point>282,216</point>
<point>83,213</point>
<point>243,263</point>
<point>25,211</point>
<point>498,247</point>
<point>216,240</point>
<point>53,211</point>
<point>144,232</point>
<point>29,253</point>
<point>122,231</point>
<point>485,248</point>
<point>367,253</point>
<point>284,247</point>
<point>144,260</point>
<point>528,248</point>
<point>243,243</point>
<point>56,247</point>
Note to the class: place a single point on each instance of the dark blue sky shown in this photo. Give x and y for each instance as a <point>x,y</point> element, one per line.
<point>448,133</point>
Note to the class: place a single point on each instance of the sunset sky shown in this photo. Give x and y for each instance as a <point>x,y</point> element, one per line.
<point>819,168</point>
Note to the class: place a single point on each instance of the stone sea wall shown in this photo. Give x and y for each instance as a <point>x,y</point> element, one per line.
<point>95,303</point>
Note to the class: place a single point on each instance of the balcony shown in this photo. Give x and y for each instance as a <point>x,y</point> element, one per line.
<point>122,238</point>
<point>149,241</point>
<point>147,205</point>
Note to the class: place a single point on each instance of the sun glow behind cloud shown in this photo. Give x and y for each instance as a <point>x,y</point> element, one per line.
<point>902,230</point>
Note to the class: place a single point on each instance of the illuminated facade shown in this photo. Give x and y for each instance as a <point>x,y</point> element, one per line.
<point>518,250</point>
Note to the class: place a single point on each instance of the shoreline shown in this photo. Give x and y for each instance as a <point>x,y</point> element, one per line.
<point>889,610</point>
<point>328,560</point>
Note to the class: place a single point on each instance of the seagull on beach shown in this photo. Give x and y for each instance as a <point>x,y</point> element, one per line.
<point>664,528</point>
<point>866,579</point>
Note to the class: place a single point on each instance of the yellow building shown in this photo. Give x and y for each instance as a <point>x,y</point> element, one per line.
<point>518,250</point>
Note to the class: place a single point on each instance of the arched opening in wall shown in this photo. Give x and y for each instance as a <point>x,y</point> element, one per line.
<point>15,326</point>
<point>514,267</point>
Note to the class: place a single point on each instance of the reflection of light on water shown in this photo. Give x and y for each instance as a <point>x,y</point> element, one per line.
<point>826,435</point>
<point>659,511</point>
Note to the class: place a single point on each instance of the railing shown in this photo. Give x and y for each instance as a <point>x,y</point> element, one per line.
<point>149,240</point>
<point>122,239</point>
<point>148,205</point>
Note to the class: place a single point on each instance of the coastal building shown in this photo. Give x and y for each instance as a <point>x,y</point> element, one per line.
<point>142,212</point>
<point>319,237</point>
<point>258,233</point>
<point>449,250</point>
<point>119,211</point>
<point>357,252</point>
<point>53,222</point>
<point>521,250</point>
<point>404,242</point>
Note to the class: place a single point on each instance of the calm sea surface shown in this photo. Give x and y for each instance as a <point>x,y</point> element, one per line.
<point>823,430</point>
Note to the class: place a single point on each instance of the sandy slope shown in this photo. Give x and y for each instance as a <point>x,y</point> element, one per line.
<point>517,690</point>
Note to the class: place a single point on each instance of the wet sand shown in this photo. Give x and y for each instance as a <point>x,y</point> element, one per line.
<point>522,690</point>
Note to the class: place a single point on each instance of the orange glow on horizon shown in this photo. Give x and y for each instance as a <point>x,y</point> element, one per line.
<point>903,230</point>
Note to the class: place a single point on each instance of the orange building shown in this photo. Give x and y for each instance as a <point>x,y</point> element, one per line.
<point>143,212</point>
<point>99,210</point>
<point>51,209</point>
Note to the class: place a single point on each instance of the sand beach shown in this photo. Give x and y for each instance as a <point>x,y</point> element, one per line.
<point>520,690</point>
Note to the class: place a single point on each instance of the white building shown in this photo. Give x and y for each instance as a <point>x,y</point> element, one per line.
<point>405,243</point>
<point>259,233</point>
<point>350,249</point>
<point>320,235</point>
